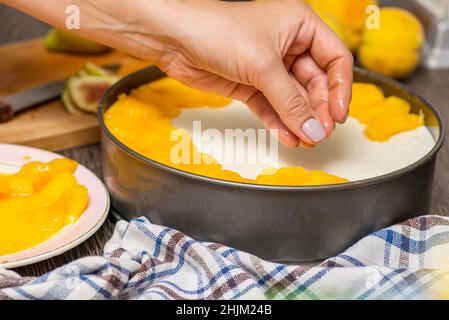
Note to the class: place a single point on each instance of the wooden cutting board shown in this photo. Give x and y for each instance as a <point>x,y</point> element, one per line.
<point>49,126</point>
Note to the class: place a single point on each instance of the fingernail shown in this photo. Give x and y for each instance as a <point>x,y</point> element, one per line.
<point>329,127</point>
<point>342,106</point>
<point>314,130</point>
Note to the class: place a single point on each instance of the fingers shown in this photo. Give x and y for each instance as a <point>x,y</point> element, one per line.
<point>255,100</point>
<point>260,106</point>
<point>290,101</point>
<point>332,56</point>
<point>314,80</point>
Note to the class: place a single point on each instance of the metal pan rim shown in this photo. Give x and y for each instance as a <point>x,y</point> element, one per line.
<point>260,187</point>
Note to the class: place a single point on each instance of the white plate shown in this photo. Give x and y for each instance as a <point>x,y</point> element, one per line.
<point>12,157</point>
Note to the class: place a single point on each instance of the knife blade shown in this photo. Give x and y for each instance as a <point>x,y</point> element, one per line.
<point>9,105</point>
<point>14,103</point>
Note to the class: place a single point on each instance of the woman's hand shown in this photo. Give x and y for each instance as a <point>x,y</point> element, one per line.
<point>277,56</point>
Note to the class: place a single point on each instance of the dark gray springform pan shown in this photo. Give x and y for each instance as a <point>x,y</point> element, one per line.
<point>284,224</point>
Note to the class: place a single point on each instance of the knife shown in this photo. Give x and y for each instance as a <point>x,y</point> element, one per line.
<point>23,100</point>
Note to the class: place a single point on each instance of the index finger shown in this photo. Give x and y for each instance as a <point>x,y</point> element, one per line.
<point>332,55</point>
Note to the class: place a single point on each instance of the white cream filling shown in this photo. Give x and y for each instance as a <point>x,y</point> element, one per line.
<point>348,153</point>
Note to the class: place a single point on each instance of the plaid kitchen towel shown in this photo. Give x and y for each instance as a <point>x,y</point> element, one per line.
<point>147,261</point>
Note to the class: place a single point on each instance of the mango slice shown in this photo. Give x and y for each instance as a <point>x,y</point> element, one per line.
<point>391,106</point>
<point>37,202</point>
<point>363,96</point>
<point>382,128</point>
<point>383,117</point>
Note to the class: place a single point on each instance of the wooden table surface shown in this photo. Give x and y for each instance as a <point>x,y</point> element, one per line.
<point>434,85</point>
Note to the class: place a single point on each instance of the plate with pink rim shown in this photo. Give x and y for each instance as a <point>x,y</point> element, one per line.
<point>12,157</point>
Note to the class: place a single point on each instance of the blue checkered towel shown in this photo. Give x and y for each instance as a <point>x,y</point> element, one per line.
<point>147,261</point>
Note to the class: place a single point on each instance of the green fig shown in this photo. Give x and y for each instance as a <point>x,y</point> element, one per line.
<point>87,91</point>
<point>68,103</point>
<point>92,69</point>
<point>60,40</point>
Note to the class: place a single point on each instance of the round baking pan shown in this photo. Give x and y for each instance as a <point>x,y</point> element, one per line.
<point>277,223</point>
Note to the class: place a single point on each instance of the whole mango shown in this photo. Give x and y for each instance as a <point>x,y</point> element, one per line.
<point>393,49</point>
<point>350,14</point>
<point>333,24</point>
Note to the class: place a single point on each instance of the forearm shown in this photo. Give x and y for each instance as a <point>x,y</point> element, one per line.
<point>266,54</point>
<point>144,28</point>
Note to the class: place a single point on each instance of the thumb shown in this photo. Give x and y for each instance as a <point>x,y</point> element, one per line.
<point>291,102</point>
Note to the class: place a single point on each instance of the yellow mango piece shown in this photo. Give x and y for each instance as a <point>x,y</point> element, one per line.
<point>268,171</point>
<point>62,165</point>
<point>181,96</point>
<point>384,117</point>
<point>382,128</point>
<point>159,100</point>
<point>38,202</point>
<point>297,176</point>
<point>12,186</point>
<point>15,207</point>
<point>364,95</point>
<point>76,200</point>
<point>55,188</point>
<point>314,178</point>
<point>288,176</point>
<point>49,220</point>
<point>40,173</point>
<point>391,106</point>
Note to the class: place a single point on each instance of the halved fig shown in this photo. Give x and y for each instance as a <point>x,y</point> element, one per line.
<point>68,103</point>
<point>81,73</point>
<point>86,92</point>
